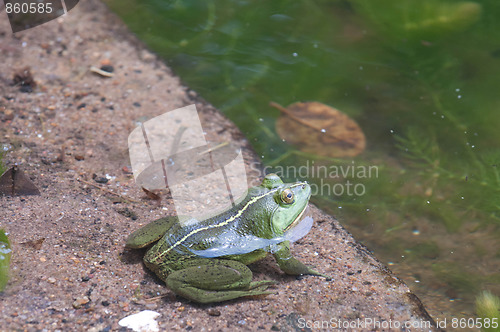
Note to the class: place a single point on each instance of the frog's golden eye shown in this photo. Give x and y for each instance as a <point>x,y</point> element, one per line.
<point>287,196</point>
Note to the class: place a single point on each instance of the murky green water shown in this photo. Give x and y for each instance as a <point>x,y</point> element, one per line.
<point>420,77</point>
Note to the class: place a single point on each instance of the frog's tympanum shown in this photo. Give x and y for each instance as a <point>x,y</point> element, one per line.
<point>205,260</point>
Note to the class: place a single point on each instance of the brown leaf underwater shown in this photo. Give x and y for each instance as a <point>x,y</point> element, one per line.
<point>319,129</point>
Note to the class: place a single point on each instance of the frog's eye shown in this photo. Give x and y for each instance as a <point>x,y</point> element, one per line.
<point>287,196</point>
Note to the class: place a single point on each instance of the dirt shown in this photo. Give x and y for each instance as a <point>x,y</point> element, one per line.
<point>68,132</point>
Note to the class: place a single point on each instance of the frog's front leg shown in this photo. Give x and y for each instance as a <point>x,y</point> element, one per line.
<point>216,280</point>
<point>150,233</point>
<point>291,265</point>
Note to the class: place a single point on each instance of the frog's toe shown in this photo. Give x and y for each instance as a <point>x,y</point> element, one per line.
<point>262,284</point>
<point>263,289</point>
<point>259,291</point>
<point>316,273</point>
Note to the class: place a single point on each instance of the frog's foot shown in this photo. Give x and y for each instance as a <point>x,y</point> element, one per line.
<point>220,280</point>
<point>200,296</point>
<point>262,288</point>
<point>262,284</point>
<point>297,268</point>
<point>150,233</point>
<point>315,273</point>
<point>291,265</point>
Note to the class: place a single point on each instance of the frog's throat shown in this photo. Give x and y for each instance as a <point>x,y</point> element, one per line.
<point>297,220</point>
<point>228,220</point>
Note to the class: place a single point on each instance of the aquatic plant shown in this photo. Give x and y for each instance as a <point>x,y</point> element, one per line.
<point>5,253</point>
<point>2,165</point>
<point>488,309</point>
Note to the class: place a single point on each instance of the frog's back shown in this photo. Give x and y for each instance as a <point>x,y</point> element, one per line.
<point>244,219</point>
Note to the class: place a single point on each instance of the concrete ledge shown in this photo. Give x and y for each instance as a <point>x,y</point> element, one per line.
<point>75,124</point>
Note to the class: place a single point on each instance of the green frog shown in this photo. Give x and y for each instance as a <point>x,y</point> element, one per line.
<point>206,260</point>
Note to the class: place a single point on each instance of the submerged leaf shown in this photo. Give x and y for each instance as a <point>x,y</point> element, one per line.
<point>4,259</point>
<point>319,129</point>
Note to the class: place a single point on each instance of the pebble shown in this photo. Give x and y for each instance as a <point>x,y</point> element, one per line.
<point>79,302</point>
<point>147,56</point>
<point>142,321</point>
<point>108,68</point>
<point>8,115</point>
<point>100,179</point>
<point>213,312</point>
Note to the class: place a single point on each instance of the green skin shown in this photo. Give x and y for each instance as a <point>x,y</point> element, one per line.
<point>266,212</point>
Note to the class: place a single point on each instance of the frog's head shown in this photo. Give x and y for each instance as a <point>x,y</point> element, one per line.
<point>289,202</point>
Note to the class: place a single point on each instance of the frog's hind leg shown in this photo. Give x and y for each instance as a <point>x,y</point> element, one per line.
<point>150,233</point>
<point>216,281</point>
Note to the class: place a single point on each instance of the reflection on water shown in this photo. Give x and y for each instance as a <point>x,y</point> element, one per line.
<point>420,79</point>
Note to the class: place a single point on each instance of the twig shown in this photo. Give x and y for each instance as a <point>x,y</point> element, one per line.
<point>151,299</point>
<point>108,191</point>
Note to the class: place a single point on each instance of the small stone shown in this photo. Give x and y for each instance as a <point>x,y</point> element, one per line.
<point>142,321</point>
<point>126,170</point>
<point>79,302</point>
<point>8,115</point>
<point>127,213</point>
<point>108,68</point>
<point>125,306</point>
<point>24,79</point>
<point>51,280</point>
<point>85,279</point>
<point>100,179</point>
<point>79,157</point>
<point>213,312</point>
<point>151,306</point>
<point>146,56</point>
